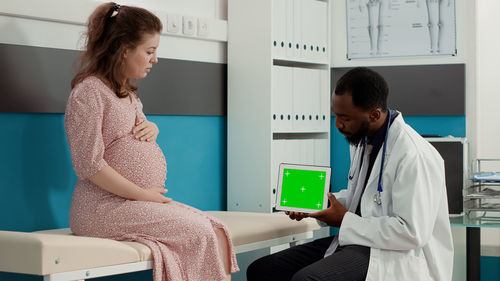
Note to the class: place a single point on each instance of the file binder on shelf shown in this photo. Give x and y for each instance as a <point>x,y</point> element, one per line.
<point>325,104</point>
<point>298,100</point>
<point>281,99</point>
<point>297,30</point>
<point>278,28</point>
<point>300,30</point>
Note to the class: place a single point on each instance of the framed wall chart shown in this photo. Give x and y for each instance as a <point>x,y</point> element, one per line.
<point>392,28</point>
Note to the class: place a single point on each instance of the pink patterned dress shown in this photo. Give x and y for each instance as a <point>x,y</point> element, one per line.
<point>99,131</point>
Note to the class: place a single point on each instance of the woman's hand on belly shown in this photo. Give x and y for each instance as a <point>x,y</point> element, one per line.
<point>154,194</point>
<point>110,180</point>
<point>145,130</point>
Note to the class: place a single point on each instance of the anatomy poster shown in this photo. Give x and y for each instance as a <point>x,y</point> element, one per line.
<point>390,28</point>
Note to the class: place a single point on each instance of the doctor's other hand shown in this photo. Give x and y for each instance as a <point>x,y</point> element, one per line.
<point>154,194</point>
<point>296,215</point>
<point>333,215</point>
<point>145,130</point>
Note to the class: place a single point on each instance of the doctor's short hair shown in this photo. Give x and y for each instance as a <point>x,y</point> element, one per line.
<point>368,89</point>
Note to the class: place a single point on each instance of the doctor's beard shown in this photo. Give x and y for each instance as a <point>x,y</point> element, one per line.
<point>356,137</point>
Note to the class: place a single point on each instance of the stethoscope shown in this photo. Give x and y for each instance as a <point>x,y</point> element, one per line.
<point>377,198</point>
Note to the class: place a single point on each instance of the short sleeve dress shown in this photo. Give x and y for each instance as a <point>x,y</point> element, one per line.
<point>99,132</point>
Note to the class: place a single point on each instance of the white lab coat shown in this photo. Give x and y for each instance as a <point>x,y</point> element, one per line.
<point>409,233</point>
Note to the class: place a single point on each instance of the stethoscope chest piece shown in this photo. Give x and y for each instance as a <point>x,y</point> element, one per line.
<point>377,198</point>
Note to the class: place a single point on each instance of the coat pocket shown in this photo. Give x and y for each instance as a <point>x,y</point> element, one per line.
<point>397,265</point>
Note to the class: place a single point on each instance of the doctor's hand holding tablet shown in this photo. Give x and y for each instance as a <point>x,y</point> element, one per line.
<point>332,215</point>
<point>303,191</point>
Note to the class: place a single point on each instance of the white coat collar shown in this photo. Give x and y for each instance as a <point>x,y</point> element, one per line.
<point>394,131</point>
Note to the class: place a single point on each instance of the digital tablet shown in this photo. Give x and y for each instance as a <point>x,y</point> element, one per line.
<point>303,188</point>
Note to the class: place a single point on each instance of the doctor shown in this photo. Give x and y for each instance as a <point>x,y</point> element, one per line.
<point>393,216</point>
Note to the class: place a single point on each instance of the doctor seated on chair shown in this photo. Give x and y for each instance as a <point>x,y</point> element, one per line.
<point>392,218</point>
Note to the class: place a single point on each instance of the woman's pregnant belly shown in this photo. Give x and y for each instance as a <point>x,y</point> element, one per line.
<point>141,162</point>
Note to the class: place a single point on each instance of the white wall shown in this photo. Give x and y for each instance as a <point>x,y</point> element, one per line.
<point>60,23</point>
<point>488,73</point>
<point>488,97</point>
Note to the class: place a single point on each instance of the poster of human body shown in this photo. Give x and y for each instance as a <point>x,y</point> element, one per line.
<point>391,28</point>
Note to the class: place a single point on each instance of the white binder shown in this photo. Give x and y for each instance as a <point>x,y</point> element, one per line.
<point>278,28</point>
<point>322,152</point>
<point>308,90</point>
<point>325,103</point>
<point>292,151</point>
<point>286,98</point>
<point>281,98</point>
<point>307,99</point>
<point>307,22</point>
<point>298,100</point>
<point>289,29</point>
<point>306,151</point>
<point>275,105</point>
<point>315,100</point>
<point>323,30</point>
<point>316,12</point>
<point>297,15</point>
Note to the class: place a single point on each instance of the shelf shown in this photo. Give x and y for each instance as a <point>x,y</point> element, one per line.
<point>482,221</point>
<point>298,136</point>
<point>482,196</point>
<point>301,63</point>
<point>486,207</point>
<point>477,184</point>
<point>487,193</point>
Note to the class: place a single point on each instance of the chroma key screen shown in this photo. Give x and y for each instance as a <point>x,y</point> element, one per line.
<point>303,189</point>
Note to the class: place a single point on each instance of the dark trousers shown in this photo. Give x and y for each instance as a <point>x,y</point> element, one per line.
<point>306,263</point>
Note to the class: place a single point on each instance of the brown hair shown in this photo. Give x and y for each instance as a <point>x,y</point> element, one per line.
<point>111,29</point>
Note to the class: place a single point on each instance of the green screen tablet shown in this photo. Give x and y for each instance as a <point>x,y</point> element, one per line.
<point>303,188</point>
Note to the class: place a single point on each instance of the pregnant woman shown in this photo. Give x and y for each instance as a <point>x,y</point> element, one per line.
<point>121,169</point>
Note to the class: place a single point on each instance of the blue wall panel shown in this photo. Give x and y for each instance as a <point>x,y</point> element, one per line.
<point>37,178</point>
<point>195,149</point>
